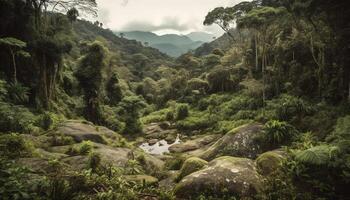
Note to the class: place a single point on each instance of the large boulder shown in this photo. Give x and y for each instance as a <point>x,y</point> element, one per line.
<point>191,165</point>
<point>191,145</point>
<point>240,142</point>
<point>82,131</point>
<point>144,179</point>
<point>223,177</point>
<point>270,161</point>
<point>117,157</point>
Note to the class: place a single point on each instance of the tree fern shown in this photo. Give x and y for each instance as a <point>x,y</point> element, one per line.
<point>318,155</point>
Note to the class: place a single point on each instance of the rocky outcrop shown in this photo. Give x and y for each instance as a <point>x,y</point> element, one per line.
<point>191,145</point>
<point>83,131</point>
<point>240,142</point>
<point>223,177</point>
<point>270,161</point>
<point>160,131</point>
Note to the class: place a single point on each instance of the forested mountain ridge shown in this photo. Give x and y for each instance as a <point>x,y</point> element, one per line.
<point>261,113</point>
<point>171,44</point>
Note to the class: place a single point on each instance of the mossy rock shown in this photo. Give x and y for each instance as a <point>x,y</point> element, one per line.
<point>191,165</point>
<point>80,131</point>
<point>239,142</point>
<point>269,162</point>
<point>223,177</point>
<point>144,179</point>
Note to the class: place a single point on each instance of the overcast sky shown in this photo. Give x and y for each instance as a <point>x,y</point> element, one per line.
<point>159,16</point>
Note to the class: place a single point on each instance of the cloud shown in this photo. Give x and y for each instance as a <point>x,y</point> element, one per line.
<point>124,3</point>
<point>104,15</point>
<point>167,23</point>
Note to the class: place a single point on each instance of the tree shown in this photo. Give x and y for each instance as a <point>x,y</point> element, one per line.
<point>41,9</point>
<point>15,47</point>
<point>90,76</point>
<point>222,17</point>
<point>227,17</point>
<point>114,91</point>
<point>260,19</point>
<point>132,106</point>
<point>73,15</point>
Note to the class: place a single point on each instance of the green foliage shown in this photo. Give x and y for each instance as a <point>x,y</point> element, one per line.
<point>114,91</point>
<point>278,133</point>
<point>16,183</point>
<point>341,131</point>
<point>182,111</point>
<point>131,110</point>
<point>15,118</point>
<point>196,121</point>
<point>49,120</point>
<point>157,116</point>
<point>318,155</point>
<point>72,14</point>
<point>13,146</point>
<point>94,161</point>
<point>84,148</point>
<point>61,140</point>
<point>90,76</point>
<point>18,93</point>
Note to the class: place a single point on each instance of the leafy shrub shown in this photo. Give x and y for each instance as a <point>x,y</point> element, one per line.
<point>13,146</point>
<point>83,148</point>
<point>182,111</point>
<point>111,119</point>
<point>16,183</point>
<point>318,155</point>
<point>341,131</point>
<point>157,116</point>
<point>61,140</point>
<point>239,103</point>
<point>277,133</point>
<point>194,123</point>
<point>49,120</point>
<point>15,118</point>
<point>94,161</point>
<point>290,109</point>
<point>18,93</point>
<point>226,126</point>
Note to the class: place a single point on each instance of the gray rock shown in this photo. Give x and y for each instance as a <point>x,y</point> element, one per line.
<point>240,142</point>
<point>223,177</point>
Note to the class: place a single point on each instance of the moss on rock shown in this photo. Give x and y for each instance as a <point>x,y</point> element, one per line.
<point>191,165</point>
<point>223,177</point>
<point>269,162</point>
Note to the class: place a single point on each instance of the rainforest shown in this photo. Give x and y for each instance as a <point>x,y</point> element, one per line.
<point>251,101</point>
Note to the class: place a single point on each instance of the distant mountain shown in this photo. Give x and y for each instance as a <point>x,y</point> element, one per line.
<point>171,44</point>
<point>201,36</point>
<point>223,42</point>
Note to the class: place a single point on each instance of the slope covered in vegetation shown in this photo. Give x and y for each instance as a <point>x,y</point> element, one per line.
<point>262,113</point>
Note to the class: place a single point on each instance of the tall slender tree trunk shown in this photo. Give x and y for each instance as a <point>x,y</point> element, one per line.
<point>14,66</point>
<point>256,53</point>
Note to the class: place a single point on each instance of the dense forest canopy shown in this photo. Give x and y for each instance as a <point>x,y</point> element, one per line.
<point>262,112</point>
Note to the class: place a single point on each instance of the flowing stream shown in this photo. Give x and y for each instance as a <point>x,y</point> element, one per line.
<point>160,147</point>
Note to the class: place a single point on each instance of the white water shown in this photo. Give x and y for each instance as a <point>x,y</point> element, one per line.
<point>160,147</point>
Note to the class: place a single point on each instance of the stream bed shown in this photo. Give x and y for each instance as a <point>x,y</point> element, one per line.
<point>160,147</point>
